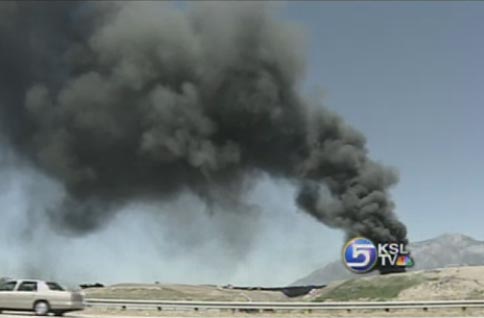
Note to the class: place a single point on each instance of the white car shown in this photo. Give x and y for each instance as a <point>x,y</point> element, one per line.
<point>38,296</point>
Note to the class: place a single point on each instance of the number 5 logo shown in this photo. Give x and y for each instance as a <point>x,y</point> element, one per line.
<point>360,255</point>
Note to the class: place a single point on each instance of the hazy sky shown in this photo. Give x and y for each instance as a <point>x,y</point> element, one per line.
<point>408,75</point>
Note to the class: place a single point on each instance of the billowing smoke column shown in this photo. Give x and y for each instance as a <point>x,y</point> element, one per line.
<point>141,101</point>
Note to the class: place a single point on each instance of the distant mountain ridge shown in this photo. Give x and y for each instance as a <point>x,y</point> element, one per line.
<point>446,250</point>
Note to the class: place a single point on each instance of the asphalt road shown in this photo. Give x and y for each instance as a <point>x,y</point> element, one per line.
<point>80,315</point>
<point>201,316</point>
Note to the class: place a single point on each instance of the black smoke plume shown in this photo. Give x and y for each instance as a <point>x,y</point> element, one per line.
<point>141,101</point>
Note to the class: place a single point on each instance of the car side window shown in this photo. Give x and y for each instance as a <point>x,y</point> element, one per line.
<point>54,286</point>
<point>8,286</point>
<point>28,286</point>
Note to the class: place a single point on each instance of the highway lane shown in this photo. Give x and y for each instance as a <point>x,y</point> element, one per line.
<point>220,315</point>
<point>80,315</point>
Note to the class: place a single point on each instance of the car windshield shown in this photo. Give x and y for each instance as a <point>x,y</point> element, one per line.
<point>54,286</point>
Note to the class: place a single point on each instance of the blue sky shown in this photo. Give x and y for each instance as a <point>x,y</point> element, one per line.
<point>411,77</point>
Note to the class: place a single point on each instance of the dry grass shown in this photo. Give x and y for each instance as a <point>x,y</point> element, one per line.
<point>182,292</point>
<point>449,283</point>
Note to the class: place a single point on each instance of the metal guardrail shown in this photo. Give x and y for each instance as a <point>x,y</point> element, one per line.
<point>274,306</point>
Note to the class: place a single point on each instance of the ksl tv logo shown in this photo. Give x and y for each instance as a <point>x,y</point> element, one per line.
<point>361,255</point>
